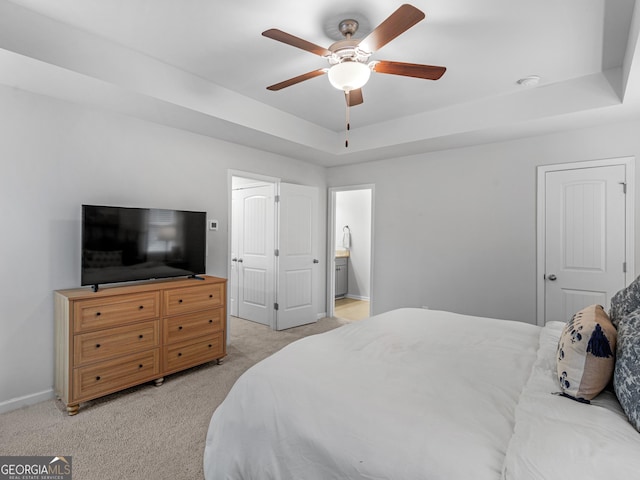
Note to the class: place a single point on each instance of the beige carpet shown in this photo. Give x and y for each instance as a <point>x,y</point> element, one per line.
<point>146,432</point>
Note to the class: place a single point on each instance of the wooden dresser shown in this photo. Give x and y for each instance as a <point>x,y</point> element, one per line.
<point>121,336</point>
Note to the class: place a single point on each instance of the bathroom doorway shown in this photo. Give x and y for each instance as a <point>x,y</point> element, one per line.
<point>350,255</point>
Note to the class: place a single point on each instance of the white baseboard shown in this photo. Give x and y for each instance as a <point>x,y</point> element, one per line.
<point>16,403</point>
<point>357,297</point>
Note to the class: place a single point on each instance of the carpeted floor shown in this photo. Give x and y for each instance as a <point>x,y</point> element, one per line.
<point>146,432</point>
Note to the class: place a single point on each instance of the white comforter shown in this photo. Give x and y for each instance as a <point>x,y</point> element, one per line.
<point>557,438</point>
<point>409,394</point>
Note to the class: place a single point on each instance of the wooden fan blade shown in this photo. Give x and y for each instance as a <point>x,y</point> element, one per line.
<point>415,70</point>
<point>397,23</point>
<point>354,97</point>
<point>298,79</point>
<point>294,41</point>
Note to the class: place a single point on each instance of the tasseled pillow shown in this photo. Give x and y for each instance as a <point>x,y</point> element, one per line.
<point>586,354</point>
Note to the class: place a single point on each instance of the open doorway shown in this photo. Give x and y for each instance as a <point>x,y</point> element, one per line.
<point>350,252</point>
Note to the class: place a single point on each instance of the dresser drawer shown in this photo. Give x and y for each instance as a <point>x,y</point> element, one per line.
<point>193,325</point>
<point>106,312</point>
<point>116,374</point>
<point>186,354</point>
<point>193,299</point>
<point>113,342</point>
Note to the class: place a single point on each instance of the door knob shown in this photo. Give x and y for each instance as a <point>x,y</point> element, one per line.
<point>240,260</point>
<point>315,260</point>
<point>552,277</point>
<point>234,259</point>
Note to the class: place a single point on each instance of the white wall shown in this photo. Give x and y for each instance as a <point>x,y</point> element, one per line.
<point>56,156</point>
<point>467,216</point>
<point>353,208</point>
<point>456,230</point>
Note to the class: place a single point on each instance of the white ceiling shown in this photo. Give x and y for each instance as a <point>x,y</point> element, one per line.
<point>202,66</point>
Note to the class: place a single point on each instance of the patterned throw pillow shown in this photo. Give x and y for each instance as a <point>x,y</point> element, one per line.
<point>626,379</point>
<point>624,302</point>
<point>586,354</point>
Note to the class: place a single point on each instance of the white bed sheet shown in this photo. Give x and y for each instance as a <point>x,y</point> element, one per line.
<point>408,394</point>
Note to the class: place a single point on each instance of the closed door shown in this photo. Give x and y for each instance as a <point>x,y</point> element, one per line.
<point>584,242</point>
<point>253,268</point>
<point>297,261</point>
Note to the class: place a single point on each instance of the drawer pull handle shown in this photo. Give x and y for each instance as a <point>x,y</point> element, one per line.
<point>179,354</point>
<point>97,345</point>
<point>211,296</point>
<point>98,314</point>
<point>97,378</point>
<point>140,366</point>
<point>140,307</point>
<point>210,321</point>
<point>140,336</point>
<point>180,327</point>
<point>210,345</point>
<point>180,301</point>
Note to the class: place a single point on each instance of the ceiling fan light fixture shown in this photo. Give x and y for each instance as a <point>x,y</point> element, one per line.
<point>347,76</point>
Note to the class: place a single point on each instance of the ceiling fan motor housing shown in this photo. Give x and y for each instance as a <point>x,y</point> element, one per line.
<point>348,27</point>
<point>348,49</point>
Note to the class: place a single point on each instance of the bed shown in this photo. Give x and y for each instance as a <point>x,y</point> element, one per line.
<point>418,394</point>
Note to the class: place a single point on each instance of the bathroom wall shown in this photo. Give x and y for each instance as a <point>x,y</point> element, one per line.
<point>353,208</point>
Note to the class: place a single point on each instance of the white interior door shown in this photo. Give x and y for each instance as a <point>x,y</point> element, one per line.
<point>254,262</point>
<point>585,235</point>
<point>297,261</point>
<point>235,245</point>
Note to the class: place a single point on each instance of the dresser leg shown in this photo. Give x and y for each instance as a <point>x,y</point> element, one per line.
<point>219,361</point>
<point>73,409</point>
<point>159,381</point>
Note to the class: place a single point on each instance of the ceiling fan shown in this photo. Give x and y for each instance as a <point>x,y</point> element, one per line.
<point>350,68</point>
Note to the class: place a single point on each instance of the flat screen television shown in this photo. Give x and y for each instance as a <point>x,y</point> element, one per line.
<point>122,244</point>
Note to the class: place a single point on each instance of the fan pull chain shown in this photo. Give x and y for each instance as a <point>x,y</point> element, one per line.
<point>346,142</point>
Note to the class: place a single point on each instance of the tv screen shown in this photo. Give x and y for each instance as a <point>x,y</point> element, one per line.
<point>122,244</point>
